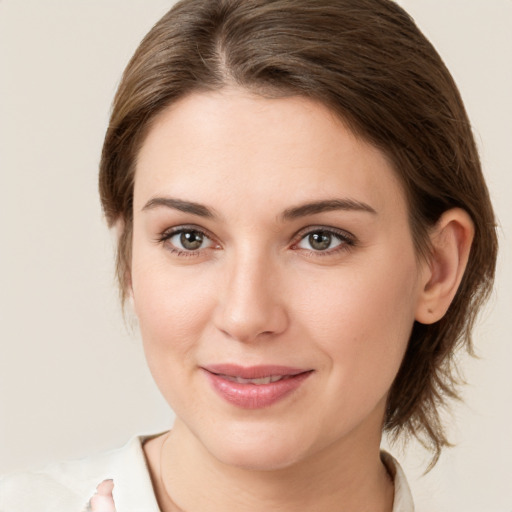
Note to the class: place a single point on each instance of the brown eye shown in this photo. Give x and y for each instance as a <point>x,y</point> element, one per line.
<point>323,241</point>
<point>191,240</point>
<point>320,241</point>
<point>188,240</point>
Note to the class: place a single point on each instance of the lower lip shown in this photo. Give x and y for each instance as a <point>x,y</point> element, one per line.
<point>255,396</point>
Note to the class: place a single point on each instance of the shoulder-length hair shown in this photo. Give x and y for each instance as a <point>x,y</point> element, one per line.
<point>369,63</point>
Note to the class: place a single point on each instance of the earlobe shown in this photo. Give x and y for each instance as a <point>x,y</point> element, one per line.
<point>450,241</point>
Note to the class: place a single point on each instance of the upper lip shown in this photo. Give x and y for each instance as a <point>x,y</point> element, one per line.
<point>253,372</point>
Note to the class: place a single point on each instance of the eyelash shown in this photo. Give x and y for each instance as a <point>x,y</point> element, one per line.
<point>346,239</point>
<point>169,233</point>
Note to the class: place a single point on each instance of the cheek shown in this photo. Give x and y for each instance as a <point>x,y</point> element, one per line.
<point>362,321</point>
<point>172,311</point>
<point>172,306</point>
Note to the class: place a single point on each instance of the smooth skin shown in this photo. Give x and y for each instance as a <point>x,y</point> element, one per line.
<point>231,263</point>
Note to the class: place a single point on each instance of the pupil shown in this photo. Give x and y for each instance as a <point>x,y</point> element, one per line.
<point>320,241</point>
<point>191,240</point>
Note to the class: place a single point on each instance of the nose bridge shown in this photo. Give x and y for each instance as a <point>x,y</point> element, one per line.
<point>251,304</point>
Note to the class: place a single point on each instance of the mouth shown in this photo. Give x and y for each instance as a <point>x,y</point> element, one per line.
<point>256,382</point>
<point>255,387</point>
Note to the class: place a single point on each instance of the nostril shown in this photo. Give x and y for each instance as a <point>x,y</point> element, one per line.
<point>248,309</point>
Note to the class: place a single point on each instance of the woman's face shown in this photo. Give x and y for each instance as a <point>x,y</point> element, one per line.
<point>273,274</point>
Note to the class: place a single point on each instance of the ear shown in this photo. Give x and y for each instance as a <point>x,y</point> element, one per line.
<point>450,242</point>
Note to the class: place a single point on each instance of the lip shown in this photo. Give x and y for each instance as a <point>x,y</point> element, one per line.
<point>250,395</point>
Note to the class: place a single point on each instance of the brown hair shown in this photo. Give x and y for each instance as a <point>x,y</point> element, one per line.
<point>369,63</point>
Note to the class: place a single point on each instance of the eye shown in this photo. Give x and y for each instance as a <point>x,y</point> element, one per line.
<point>324,240</point>
<point>187,240</point>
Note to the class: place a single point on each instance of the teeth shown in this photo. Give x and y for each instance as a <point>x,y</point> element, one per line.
<point>263,380</point>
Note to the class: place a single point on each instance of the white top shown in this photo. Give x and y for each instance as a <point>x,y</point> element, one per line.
<point>68,486</point>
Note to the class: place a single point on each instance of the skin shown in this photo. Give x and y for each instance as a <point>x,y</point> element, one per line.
<point>257,292</point>
<point>102,501</point>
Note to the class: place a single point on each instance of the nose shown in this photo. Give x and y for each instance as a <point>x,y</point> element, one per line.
<point>251,302</point>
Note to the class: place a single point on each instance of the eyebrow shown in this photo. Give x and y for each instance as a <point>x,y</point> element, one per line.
<point>295,212</point>
<point>326,206</point>
<point>178,204</point>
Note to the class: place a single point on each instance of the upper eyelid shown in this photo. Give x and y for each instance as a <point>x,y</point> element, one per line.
<point>169,232</point>
<point>343,233</point>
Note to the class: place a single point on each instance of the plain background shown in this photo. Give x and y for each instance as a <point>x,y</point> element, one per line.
<point>72,375</point>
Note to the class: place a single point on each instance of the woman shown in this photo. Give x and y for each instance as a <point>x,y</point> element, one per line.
<point>305,234</point>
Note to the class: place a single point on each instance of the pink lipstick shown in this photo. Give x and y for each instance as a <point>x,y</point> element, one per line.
<point>254,387</point>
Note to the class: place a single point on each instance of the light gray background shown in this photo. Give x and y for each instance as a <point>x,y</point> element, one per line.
<point>72,376</point>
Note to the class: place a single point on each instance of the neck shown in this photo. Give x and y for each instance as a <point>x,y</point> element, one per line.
<point>348,477</point>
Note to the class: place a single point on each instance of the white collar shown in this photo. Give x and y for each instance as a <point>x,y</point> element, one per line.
<point>403,497</point>
<point>68,486</point>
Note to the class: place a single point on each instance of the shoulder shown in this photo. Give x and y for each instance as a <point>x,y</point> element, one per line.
<point>68,486</point>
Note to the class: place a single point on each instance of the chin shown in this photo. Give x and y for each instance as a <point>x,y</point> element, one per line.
<point>258,459</point>
<point>256,450</point>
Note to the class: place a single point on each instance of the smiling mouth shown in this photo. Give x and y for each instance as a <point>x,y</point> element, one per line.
<point>255,387</point>
<point>257,382</point>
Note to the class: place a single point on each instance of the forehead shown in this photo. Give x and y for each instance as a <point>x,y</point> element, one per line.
<point>232,146</point>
